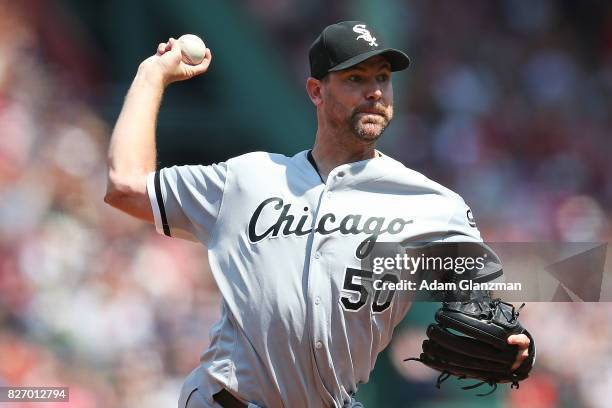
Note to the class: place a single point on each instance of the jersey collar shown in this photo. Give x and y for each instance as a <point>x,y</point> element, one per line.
<point>312,161</point>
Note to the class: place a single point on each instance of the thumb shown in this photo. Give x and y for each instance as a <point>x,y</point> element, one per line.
<point>520,340</point>
<point>171,59</point>
<point>175,47</point>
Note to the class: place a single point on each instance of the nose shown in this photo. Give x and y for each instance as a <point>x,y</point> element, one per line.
<point>374,93</point>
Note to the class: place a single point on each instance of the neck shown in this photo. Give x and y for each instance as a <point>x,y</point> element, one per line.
<point>331,153</point>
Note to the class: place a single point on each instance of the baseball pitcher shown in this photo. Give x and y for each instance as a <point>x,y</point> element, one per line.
<point>286,236</point>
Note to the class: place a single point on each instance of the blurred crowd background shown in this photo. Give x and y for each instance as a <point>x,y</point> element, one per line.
<point>507,102</point>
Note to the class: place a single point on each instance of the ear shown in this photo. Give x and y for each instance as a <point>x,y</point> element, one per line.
<point>314,90</point>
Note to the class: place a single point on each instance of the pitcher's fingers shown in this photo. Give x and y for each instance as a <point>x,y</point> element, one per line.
<point>170,45</point>
<point>207,59</point>
<point>203,66</point>
<point>161,48</point>
<point>521,355</point>
<point>174,49</point>
<point>519,339</point>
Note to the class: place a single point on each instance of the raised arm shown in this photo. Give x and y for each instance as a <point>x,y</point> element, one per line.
<point>132,153</point>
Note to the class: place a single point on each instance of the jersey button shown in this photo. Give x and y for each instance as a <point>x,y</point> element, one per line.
<point>319,345</point>
<point>317,300</point>
<point>317,255</point>
<point>340,174</point>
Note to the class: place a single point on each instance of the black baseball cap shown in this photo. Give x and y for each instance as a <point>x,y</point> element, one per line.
<point>348,43</point>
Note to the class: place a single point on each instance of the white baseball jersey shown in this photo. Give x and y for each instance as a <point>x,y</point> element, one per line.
<point>298,328</point>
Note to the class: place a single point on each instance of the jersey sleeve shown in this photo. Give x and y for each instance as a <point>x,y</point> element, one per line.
<point>465,234</point>
<point>186,200</point>
<point>462,224</point>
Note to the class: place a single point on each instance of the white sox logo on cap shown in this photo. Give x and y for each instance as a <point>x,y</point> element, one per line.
<point>365,34</point>
<point>338,48</point>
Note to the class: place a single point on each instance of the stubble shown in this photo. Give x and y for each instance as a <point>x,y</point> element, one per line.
<point>366,127</point>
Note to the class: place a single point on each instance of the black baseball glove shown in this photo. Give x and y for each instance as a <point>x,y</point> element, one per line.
<point>470,341</point>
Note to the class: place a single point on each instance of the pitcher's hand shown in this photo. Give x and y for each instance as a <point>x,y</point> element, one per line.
<point>166,66</point>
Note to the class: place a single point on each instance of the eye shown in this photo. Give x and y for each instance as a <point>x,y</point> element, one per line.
<point>354,78</point>
<point>383,77</point>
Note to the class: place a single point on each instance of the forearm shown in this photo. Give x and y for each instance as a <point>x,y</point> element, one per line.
<point>132,152</point>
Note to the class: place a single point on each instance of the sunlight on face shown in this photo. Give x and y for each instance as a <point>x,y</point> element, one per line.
<point>359,100</point>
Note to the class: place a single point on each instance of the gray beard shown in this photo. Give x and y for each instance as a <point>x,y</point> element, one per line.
<point>350,127</point>
<point>360,132</point>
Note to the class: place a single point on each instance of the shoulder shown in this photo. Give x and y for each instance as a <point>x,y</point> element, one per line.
<point>458,212</point>
<point>398,170</point>
<point>261,158</point>
<point>261,168</point>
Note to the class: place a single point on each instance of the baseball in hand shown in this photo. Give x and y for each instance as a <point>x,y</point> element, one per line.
<point>192,49</point>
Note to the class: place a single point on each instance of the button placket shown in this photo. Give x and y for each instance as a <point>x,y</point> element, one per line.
<point>319,281</point>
